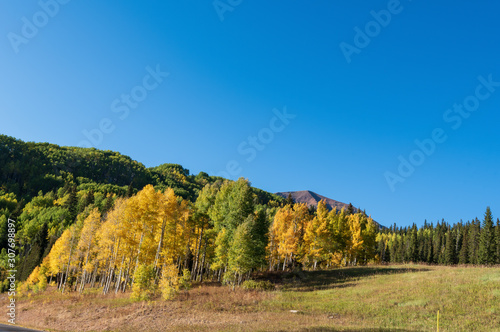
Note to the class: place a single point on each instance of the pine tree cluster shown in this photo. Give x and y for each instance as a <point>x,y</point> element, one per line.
<point>473,242</point>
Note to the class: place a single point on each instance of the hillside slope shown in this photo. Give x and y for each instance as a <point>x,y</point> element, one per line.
<point>44,187</point>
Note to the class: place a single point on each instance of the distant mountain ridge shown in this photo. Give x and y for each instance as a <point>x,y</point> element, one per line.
<point>312,199</point>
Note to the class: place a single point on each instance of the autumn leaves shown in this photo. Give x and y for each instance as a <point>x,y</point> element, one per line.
<point>326,239</point>
<point>157,242</point>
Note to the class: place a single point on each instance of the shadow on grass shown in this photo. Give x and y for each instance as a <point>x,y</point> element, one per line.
<point>306,281</point>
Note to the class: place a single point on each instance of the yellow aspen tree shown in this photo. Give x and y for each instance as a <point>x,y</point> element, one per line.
<point>317,237</point>
<point>339,225</point>
<point>282,218</point>
<point>167,218</point>
<point>110,242</point>
<point>295,234</point>
<point>181,232</point>
<point>87,244</point>
<point>61,257</point>
<point>288,230</point>
<point>175,225</point>
<point>355,242</point>
<point>185,230</point>
<point>369,234</point>
<point>272,249</point>
<point>142,214</point>
<point>169,282</point>
<point>57,256</point>
<point>149,216</point>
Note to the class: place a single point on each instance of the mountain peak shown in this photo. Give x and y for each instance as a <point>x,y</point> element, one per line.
<point>311,198</point>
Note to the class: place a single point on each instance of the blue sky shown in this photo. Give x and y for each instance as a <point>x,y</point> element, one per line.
<point>72,67</point>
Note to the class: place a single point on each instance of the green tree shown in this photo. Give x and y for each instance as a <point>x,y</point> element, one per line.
<point>462,255</point>
<point>497,236</point>
<point>244,252</point>
<point>413,245</point>
<point>487,243</point>
<point>144,286</point>
<point>233,203</point>
<point>393,252</point>
<point>437,244</point>
<point>473,241</point>
<point>450,250</point>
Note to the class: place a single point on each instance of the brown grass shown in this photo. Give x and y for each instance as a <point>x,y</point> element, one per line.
<point>205,308</point>
<point>381,298</point>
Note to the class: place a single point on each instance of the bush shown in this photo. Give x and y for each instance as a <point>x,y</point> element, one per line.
<point>185,280</point>
<point>169,282</point>
<point>264,285</point>
<point>143,287</point>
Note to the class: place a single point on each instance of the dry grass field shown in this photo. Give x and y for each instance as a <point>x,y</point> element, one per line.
<point>374,298</point>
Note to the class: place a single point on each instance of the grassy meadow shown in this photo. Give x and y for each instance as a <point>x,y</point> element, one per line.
<point>372,298</point>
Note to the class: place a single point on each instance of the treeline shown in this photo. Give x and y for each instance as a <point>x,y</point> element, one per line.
<point>26,168</point>
<point>473,242</point>
<point>154,241</point>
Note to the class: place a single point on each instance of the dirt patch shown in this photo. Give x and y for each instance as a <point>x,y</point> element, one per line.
<point>206,308</point>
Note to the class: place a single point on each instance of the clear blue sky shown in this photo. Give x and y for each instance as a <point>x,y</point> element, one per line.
<point>353,119</point>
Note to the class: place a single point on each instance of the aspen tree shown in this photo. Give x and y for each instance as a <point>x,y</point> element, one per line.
<point>318,237</point>
<point>355,240</point>
<point>87,244</point>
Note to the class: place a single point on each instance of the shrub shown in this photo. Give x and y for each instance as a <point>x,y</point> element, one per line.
<point>143,287</point>
<point>169,283</point>
<point>263,285</point>
<point>185,280</point>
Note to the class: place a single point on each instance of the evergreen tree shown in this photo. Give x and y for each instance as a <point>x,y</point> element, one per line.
<point>437,245</point>
<point>413,245</point>
<point>394,250</point>
<point>108,204</point>
<point>72,203</point>
<point>462,255</point>
<point>487,243</point>
<point>450,253</point>
<point>130,190</point>
<point>350,209</point>
<point>473,241</point>
<point>497,236</point>
<point>387,257</point>
<point>381,250</point>
<point>430,251</point>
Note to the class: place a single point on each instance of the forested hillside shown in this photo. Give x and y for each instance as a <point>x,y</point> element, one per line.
<point>44,187</point>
